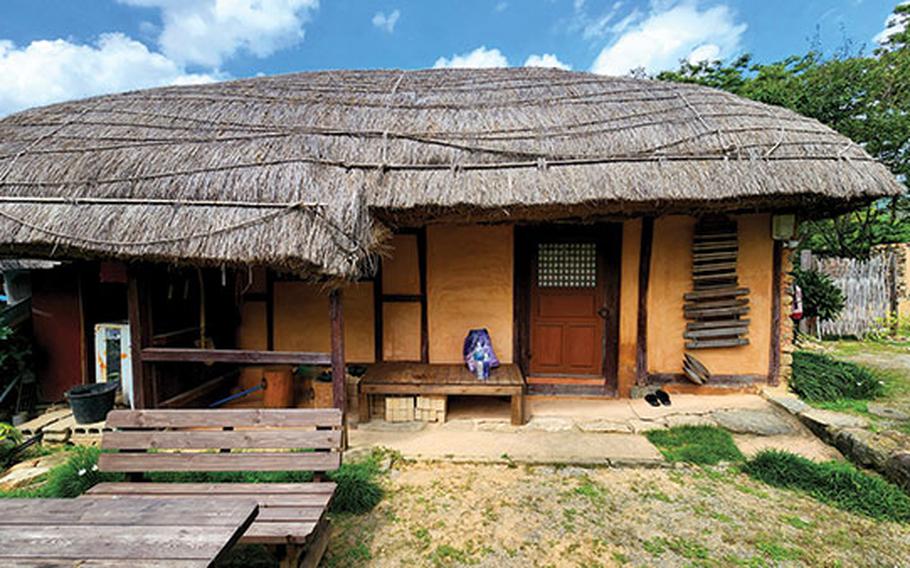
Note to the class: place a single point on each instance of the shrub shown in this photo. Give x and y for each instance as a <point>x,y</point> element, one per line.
<point>818,377</point>
<point>9,439</point>
<point>821,297</point>
<point>70,479</point>
<point>705,445</point>
<point>357,491</point>
<point>838,484</point>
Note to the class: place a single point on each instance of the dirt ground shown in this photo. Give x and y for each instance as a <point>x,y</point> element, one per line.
<point>438,515</point>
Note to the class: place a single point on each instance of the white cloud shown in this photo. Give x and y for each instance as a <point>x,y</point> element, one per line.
<point>546,60</point>
<point>480,57</point>
<point>206,32</point>
<point>386,23</point>
<point>672,31</point>
<point>704,53</point>
<point>48,71</point>
<point>893,24</point>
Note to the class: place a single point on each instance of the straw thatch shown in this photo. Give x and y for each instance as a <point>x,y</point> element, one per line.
<point>286,171</point>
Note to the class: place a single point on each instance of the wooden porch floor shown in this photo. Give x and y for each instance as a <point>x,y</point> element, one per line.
<point>402,378</point>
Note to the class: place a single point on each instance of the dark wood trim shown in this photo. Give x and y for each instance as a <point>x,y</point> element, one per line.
<point>776,280</point>
<point>269,310</point>
<point>336,315</point>
<point>422,271</point>
<point>255,297</point>
<point>403,298</point>
<point>377,313</point>
<point>713,380</point>
<point>644,275</point>
<point>613,256</point>
<point>521,278</point>
<point>140,336</point>
<point>233,356</point>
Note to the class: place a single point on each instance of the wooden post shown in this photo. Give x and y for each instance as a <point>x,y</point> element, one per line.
<point>644,274</point>
<point>140,333</point>
<point>336,314</point>
<point>776,283</point>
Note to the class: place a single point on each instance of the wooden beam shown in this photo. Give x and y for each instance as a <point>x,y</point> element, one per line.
<point>235,356</point>
<point>776,280</point>
<point>336,314</point>
<point>422,272</point>
<point>140,336</point>
<point>644,274</point>
<point>269,310</point>
<point>377,313</point>
<point>194,394</point>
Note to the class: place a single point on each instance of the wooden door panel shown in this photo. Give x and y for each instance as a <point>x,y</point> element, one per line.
<point>566,305</point>
<point>582,351</point>
<point>548,342</point>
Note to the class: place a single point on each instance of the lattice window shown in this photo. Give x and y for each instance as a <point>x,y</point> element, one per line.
<point>567,265</point>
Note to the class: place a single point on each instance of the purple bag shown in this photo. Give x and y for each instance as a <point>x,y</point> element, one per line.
<point>478,350</point>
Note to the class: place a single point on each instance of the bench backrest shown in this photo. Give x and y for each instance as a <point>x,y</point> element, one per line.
<point>243,440</point>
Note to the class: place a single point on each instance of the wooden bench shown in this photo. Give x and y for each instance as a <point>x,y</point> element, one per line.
<point>292,516</point>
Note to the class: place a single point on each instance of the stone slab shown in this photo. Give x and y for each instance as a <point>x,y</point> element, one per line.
<point>758,422</point>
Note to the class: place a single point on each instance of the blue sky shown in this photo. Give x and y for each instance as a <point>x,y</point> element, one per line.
<point>53,50</point>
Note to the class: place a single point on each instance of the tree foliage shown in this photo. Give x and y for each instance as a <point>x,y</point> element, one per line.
<point>866,98</point>
<point>821,296</point>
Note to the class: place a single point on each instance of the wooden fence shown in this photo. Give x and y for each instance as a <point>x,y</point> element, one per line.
<point>873,288</point>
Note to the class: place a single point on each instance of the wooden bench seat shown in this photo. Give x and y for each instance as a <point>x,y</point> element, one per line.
<point>292,516</point>
<point>409,379</point>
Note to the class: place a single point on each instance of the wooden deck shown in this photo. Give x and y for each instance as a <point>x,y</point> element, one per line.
<point>400,378</point>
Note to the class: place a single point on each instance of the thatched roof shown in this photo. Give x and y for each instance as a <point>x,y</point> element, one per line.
<point>283,170</point>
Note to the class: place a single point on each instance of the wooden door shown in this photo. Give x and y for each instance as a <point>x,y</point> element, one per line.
<point>568,308</point>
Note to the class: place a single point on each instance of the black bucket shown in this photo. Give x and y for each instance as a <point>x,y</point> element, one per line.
<point>91,403</point>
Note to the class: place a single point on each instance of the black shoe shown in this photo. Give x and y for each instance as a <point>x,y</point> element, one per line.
<point>662,396</point>
<point>652,399</point>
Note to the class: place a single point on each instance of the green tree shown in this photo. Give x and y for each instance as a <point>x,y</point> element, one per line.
<point>866,98</point>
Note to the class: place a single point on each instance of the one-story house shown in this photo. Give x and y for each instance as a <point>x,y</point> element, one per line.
<point>601,229</point>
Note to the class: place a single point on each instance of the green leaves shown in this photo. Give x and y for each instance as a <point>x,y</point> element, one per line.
<point>818,377</point>
<point>821,297</point>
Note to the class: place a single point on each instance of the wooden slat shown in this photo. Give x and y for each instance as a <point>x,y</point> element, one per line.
<point>719,303</point>
<point>48,562</point>
<point>714,246</point>
<point>713,267</point>
<point>125,511</point>
<point>206,489</point>
<point>234,439</point>
<point>693,376</point>
<point>717,312</point>
<point>259,461</point>
<point>695,325</point>
<point>717,332</point>
<point>226,417</point>
<point>719,293</point>
<point>278,533</point>
<point>122,542</point>
<point>265,501</point>
<point>714,237</point>
<point>697,365</point>
<point>235,356</point>
<point>713,256</point>
<point>716,343</point>
<point>729,275</point>
<point>290,514</point>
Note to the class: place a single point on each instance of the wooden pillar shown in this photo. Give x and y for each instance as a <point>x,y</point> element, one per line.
<point>144,391</point>
<point>776,283</point>
<point>336,314</point>
<point>644,274</point>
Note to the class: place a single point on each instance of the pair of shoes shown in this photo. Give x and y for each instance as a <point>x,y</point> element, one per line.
<point>657,398</point>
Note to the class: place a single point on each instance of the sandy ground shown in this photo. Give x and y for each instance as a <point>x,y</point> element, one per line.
<point>441,515</point>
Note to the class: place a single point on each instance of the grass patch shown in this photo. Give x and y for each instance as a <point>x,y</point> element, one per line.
<point>838,484</point>
<point>821,378</point>
<point>704,445</point>
<point>68,480</point>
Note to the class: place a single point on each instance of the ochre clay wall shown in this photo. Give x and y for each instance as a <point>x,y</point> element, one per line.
<point>469,285</point>
<point>671,273</point>
<point>628,305</point>
<point>401,320</point>
<point>302,319</point>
